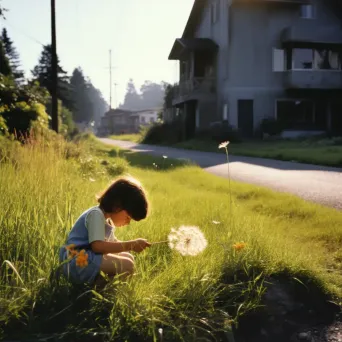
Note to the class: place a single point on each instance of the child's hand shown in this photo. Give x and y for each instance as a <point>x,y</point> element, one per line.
<point>139,245</point>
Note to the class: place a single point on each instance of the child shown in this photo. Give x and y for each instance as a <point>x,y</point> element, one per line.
<point>90,245</point>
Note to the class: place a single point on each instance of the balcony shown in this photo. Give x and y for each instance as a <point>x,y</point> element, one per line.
<point>313,79</point>
<point>307,32</point>
<point>194,89</point>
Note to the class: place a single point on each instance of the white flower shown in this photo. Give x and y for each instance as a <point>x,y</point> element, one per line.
<point>165,157</point>
<point>187,240</point>
<point>224,144</point>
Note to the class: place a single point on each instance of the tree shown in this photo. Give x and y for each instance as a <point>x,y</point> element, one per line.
<point>152,94</point>
<point>5,68</point>
<point>13,56</point>
<point>83,106</point>
<point>100,106</point>
<point>132,98</point>
<point>42,72</point>
<point>2,11</point>
<point>169,95</point>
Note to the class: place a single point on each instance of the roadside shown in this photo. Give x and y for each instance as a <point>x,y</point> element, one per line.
<point>326,152</point>
<point>319,184</point>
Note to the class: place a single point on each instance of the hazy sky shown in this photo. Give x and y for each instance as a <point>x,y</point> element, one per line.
<point>139,32</point>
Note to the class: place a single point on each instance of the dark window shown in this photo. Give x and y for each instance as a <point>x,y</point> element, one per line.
<point>299,115</point>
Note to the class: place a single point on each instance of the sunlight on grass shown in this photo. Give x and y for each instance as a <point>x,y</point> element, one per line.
<point>127,137</point>
<point>43,193</point>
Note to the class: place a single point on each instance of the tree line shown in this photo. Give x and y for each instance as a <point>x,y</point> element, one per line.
<point>23,100</point>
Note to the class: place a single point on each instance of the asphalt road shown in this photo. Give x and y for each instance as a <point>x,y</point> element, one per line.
<point>318,184</point>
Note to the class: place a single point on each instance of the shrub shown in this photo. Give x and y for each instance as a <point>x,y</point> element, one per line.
<point>218,132</point>
<point>20,116</point>
<point>167,133</point>
<point>117,167</point>
<point>271,126</point>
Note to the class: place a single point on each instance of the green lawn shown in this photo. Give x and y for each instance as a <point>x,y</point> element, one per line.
<point>47,186</point>
<point>319,152</point>
<point>311,152</point>
<point>127,137</point>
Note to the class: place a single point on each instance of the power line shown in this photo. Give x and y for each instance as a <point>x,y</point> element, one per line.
<point>24,34</point>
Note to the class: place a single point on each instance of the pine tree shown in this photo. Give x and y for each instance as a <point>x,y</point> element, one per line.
<point>83,109</point>
<point>42,72</point>
<point>12,56</point>
<point>5,68</point>
<point>132,99</point>
<point>100,106</point>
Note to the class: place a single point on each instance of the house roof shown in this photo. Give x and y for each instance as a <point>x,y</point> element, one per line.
<point>195,16</point>
<point>196,44</point>
<point>199,5</point>
<point>116,112</point>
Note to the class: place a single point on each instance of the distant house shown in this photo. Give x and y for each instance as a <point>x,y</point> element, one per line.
<point>243,61</point>
<point>148,116</point>
<point>118,121</point>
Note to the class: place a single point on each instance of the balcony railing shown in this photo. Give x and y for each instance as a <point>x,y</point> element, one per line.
<point>313,79</point>
<point>196,85</point>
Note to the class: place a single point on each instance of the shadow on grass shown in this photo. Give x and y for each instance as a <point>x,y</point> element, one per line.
<point>147,161</point>
<point>293,305</point>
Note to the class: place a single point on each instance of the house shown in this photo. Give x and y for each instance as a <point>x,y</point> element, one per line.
<point>118,121</point>
<point>247,60</point>
<point>148,116</point>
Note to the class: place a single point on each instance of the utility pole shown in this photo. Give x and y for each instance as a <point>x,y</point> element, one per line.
<point>116,99</point>
<point>110,79</point>
<point>54,80</point>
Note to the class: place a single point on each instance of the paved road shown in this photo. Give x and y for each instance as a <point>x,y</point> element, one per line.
<point>314,183</point>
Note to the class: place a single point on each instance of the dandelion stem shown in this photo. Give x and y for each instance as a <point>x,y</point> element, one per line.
<point>230,190</point>
<point>160,242</point>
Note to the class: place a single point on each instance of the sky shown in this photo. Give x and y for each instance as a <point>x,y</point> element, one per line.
<point>140,34</point>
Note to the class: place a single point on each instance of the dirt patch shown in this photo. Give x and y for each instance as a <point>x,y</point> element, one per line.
<point>292,312</point>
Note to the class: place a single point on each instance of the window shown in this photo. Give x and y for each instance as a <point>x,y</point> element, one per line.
<point>327,60</point>
<point>278,60</point>
<point>302,59</point>
<point>316,59</point>
<point>151,120</point>
<point>215,11</point>
<point>225,112</point>
<point>143,119</point>
<point>307,11</point>
<point>297,114</point>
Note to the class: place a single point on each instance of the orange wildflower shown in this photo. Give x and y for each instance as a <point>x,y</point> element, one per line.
<point>82,259</point>
<point>239,246</point>
<point>70,247</point>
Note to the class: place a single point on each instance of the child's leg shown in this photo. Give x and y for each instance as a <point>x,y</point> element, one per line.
<point>127,255</point>
<point>114,264</point>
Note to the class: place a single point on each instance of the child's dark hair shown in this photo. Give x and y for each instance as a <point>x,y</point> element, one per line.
<point>125,194</point>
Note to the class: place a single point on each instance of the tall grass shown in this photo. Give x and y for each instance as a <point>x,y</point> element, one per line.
<point>42,194</point>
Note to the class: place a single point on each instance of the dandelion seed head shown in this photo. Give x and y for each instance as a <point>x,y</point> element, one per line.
<point>187,240</point>
<point>224,144</point>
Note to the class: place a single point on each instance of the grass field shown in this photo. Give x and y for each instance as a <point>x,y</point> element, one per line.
<point>127,137</point>
<point>45,187</point>
<point>319,152</point>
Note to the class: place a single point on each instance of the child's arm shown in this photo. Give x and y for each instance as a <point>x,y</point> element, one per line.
<point>105,247</point>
